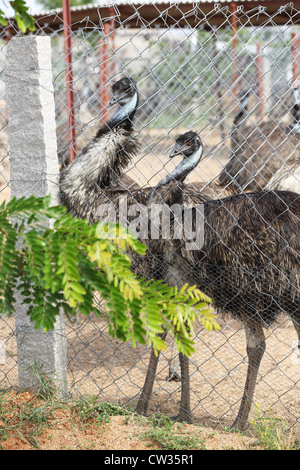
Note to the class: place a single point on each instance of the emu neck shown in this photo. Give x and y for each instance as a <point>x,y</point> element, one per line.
<point>101,162</point>
<point>295,125</point>
<point>296,118</point>
<point>124,113</point>
<point>239,119</point>
<point>182,170</point>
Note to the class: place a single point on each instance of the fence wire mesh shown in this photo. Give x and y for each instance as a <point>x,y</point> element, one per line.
<point>191,68</point>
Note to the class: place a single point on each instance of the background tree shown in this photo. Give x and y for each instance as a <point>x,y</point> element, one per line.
<point>24,20</point>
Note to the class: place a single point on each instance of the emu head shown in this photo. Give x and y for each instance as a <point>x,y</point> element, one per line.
<point>189,145</point>
<point>123,91</point>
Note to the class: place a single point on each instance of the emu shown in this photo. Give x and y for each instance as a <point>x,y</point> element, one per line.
<point>84,183</point>
<point>249,265</point>
<point>287,178</point>
<point>258,151</point>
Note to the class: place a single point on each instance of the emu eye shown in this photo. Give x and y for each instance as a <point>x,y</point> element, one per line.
<point>189,143</point>
<point>127,90</point>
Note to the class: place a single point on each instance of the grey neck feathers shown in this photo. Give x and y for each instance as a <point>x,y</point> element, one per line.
<point>124,112</point>
<point>182,170</point>
<point>296,111</point>
<point>242,114</point>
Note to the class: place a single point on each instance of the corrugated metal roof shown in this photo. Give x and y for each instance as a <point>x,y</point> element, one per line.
<point>111,3</point>
<point>137,13</point>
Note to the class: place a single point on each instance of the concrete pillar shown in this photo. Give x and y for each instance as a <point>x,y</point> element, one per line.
<point>34,171</point>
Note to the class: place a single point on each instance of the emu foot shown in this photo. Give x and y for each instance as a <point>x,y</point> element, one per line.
<point>183,417</point>
<point>142,406</point>
<point>239,425</point>
<point>174,376</point>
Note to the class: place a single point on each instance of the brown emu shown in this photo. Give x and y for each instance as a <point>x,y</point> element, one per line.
<point>84,183</point>
<point>287,178</point>
<point>94,180</point>
<point>258,151</point>
<point>249,264</point>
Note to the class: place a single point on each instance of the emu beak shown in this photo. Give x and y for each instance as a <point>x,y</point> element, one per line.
<point>113,100</point>
<point>176,151</point>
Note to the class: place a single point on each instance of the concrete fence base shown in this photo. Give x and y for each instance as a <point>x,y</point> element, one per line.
<point>34,171</point>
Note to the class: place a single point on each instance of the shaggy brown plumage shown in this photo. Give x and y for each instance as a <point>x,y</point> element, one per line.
<point>263,151</point>
<point>258,152</point>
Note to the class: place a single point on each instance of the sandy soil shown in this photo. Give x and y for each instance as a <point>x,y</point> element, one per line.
<point>64,431</point>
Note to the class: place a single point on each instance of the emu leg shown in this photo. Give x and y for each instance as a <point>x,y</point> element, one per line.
<point>143,402</point>
<point>296,323</point>
<point>173,365</point>
<point>185,402</point>
<point>256,346</point>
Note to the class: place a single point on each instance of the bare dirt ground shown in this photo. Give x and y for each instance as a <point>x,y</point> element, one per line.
<point>120,436</point>
<point>64,431</point>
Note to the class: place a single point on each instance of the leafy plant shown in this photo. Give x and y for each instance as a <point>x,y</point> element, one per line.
<point>273,433</point>
<point>59,269</point>
<point>22,17</point>
<point>27,419</point>
<point>166,434</point>
<point>107,409</point>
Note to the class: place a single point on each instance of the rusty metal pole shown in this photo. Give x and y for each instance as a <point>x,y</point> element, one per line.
<point>8,33</point>
<point>113,35</point>
<point>69,78</point>
<point>234,47</point>
<point>259,67</point>
<point>295,45</point>
<point>104,72</point>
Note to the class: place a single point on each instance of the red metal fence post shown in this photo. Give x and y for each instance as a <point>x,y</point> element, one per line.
<point>104,72</point>
<point>69,78</point>
<point>113,34</point>
<point>295,45</point>
<point>8,33</point>
<point>106,69</point>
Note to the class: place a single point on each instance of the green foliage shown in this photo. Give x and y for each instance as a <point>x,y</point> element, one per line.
<point>273,432</point>
<point>3,21</point>
<point>24,20</point>
<point>59,269</point>
<point>167,435</point>
<point>107,409</point>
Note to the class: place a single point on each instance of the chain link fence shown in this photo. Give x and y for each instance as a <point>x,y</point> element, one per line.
<point>190,72</point>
